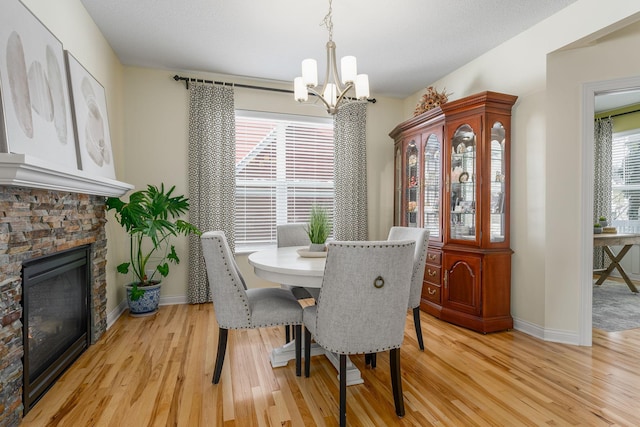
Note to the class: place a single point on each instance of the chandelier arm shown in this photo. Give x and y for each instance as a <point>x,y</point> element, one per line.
<point>320,97</point>
<point>342,94</point>
<point>327,70</point>
<point>333,64</point>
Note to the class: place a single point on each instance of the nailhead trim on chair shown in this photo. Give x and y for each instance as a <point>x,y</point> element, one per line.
<point>242,294</point>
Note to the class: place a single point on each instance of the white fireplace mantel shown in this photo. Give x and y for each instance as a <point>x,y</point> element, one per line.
<point>27,171</point>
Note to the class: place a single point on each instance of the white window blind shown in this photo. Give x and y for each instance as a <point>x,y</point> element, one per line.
<point>625,179</point>
<point>284,165</point>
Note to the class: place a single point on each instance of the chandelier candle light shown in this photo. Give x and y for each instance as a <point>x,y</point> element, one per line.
<point>332,94</point>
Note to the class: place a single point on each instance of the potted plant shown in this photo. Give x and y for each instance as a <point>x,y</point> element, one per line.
<point>151,218</point>
<point>603,221</point>
<point>318,228</point>
<point>597,228</point>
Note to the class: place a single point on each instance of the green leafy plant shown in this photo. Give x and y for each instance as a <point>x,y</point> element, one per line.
<point>597,225</point>
<point>602,218</point>
<point>151,218</point>
<point>319,226</point>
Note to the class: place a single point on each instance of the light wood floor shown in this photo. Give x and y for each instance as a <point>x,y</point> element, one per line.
<point>156,371</point>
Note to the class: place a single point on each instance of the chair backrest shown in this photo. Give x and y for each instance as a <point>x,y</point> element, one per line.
<point>421,237</point>
<point>292,235</point>
<point>356,311</point>
<point>228,289</point>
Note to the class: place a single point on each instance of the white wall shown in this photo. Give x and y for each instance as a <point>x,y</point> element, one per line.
<point>545,190</point>
<point>69,21</point>
<point>609,58</point>
<point>156,131</point>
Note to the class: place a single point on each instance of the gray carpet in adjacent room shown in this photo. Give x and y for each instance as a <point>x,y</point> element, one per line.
<point>615,307</point>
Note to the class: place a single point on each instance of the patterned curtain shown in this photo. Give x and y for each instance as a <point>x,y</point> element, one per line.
<point>212,183</point>
<point>350,173</point>
<point>603,130</point>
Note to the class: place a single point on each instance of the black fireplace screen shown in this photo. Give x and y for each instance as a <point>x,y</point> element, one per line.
<point>55,318</point>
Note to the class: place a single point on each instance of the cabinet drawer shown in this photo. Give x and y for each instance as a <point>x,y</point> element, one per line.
<point>434,257</point>
<point>431,292</point>
<point>432,274</point>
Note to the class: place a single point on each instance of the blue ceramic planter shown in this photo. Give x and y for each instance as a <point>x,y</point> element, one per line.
<point>147,304</point>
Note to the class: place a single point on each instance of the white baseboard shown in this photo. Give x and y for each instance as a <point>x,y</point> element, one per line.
<point>115,313</point>
<point>122,307</point>
<point>559,336</point>
<point>175,299</point>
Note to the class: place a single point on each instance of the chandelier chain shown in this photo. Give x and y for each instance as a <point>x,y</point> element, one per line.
<point>328,22</point>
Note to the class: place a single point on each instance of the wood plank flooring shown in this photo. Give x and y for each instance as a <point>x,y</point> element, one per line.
<point>156,371</point>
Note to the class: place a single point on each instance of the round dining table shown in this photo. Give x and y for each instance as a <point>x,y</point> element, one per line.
<point>287,266</point>
<point>296,266</point>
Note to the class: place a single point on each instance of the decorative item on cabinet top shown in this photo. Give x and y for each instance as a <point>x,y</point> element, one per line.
<point>430,100</point>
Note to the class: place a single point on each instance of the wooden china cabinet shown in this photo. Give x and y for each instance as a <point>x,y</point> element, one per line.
<point>452,177</point>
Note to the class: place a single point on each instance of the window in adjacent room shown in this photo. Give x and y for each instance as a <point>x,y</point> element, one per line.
<point>625,185</point>
<point>284,165</point>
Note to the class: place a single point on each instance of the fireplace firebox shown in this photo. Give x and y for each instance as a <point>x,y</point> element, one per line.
<point>56,322</point>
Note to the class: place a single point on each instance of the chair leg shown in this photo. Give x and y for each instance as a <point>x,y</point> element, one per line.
<point>396,380</point>
<point>343,390</point>
<point>370,359</point>
<point>222,348</point>
<point>298,332</point>
<point>416,322</point>
<point>307,352</point>
<point>287,334</point>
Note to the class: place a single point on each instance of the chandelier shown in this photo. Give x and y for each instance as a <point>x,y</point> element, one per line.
<point>334,90</point>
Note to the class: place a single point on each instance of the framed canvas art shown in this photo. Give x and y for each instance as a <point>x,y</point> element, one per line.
<point>89,106</point>
<point>34,95</point>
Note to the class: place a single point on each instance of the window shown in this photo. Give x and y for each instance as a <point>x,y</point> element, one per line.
<point>625,180</point>
<point>284,165</point>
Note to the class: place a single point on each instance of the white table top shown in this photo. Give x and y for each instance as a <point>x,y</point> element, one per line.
<point>284,266</point>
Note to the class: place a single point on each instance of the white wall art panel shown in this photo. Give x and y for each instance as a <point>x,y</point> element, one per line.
<point>36,113</point>
<point>89,105</point>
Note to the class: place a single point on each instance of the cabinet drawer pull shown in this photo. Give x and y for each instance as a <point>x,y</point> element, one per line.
<point>432,257</point>
<point>431,291</point>
<point>431,273</point>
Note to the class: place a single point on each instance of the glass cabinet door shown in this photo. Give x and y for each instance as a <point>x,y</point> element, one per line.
<point>432,186</point>
<point>397,194</point>
<point>412,197</point>
<point>462,187</point>
<point>497,175</point>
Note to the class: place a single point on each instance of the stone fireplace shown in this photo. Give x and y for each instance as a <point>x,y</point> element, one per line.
<point>44,211</point>
<point>35,223</point>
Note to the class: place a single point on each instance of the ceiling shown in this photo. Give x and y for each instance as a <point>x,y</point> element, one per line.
<point>403,46</point>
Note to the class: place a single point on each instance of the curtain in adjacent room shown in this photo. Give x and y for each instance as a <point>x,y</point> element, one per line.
<point>603,138</point>
<point>350,173</point>
<point>212,184</point>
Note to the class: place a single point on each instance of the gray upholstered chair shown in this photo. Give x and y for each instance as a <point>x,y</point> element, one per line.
<point>237,307</point>
<point>362,307</point>
<point>421,237</point>
<point>294,234</point>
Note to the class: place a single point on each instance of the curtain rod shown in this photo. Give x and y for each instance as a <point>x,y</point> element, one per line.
<point>622,114</point>
<point>605,116</point>
<point>192,79</point>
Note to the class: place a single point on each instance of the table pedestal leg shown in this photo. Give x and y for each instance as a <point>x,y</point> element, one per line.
<point>280,356</point>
